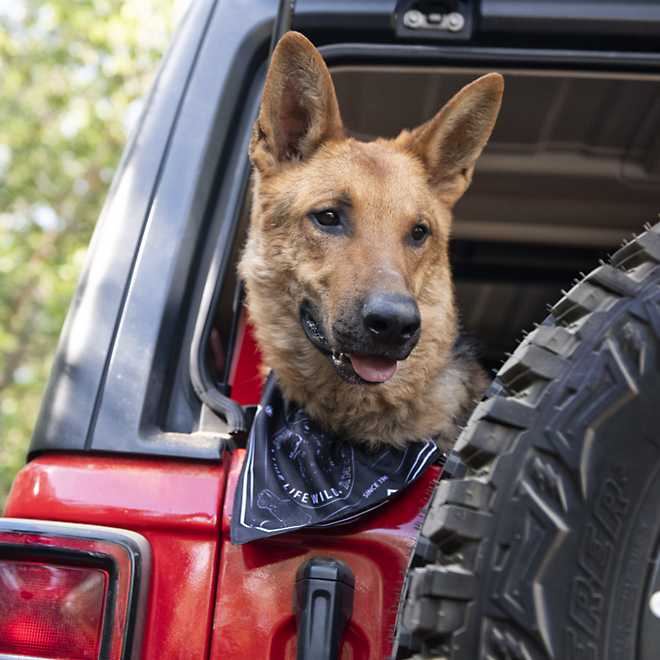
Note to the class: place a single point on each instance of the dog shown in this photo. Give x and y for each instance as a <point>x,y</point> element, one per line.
<point>346,264</point>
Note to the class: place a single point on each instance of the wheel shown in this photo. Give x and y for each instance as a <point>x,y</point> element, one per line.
<point>548,548</point>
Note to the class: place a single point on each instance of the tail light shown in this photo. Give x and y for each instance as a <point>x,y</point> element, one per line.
<point>71,591</point>
<point>51,610</point>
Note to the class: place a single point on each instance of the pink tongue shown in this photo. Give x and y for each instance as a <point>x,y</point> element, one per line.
<point>373,369</point>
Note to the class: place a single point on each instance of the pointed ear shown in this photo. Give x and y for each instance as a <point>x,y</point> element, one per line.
<point>299,108</point>
<point>450,143</point>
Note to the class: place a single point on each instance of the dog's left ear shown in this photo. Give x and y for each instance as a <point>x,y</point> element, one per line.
<point>450,143</point>
<point>299,108</point>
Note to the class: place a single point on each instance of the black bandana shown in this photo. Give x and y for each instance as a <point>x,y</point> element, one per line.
<point>296,475</point>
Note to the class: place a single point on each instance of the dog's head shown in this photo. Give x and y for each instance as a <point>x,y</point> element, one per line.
<point>348,245</point>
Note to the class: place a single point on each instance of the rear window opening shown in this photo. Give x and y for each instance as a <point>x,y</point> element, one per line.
<point>572,168</point>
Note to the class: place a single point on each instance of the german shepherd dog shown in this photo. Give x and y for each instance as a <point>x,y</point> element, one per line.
<point>346,263</point>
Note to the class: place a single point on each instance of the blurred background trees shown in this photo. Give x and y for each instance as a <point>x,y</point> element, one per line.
<point>72,76</point>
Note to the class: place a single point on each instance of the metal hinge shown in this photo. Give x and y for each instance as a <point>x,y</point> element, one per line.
<point>416,20</point>
<point>433,19</point>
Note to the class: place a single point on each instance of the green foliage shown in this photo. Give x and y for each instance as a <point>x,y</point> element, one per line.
<point>72,76</point>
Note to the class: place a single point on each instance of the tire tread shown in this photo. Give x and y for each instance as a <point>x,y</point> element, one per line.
<point>460,517</point>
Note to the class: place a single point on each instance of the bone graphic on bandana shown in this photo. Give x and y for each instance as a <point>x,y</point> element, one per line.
<point>279,508</point>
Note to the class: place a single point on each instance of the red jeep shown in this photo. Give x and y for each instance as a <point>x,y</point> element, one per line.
<point>544,544</point>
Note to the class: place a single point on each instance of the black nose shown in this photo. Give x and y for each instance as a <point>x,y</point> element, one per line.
<point>391,318</point>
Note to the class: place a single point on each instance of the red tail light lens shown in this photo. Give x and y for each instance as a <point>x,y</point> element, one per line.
<point>51,611</point>
<point>71,591</point>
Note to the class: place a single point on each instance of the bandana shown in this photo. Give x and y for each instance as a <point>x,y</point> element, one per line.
<point>297,475</point>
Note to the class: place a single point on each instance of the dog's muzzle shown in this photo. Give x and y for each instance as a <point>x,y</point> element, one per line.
<point>367,345</point>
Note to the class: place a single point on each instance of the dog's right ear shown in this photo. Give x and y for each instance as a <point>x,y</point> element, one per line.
<point>299,108</point>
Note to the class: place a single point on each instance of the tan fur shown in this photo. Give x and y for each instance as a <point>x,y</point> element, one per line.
<point>302,161</point>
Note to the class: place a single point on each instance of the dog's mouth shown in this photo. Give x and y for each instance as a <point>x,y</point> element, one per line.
<point>355,368</point>
<point>371,369</point>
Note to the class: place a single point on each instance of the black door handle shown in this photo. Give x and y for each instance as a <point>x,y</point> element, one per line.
<point>323,604</point>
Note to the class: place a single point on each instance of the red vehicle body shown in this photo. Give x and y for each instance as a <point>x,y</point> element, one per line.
<point>207,597</point>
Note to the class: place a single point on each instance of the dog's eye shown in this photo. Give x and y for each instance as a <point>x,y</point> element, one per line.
<point>328,220</point>
<point>419,233</point>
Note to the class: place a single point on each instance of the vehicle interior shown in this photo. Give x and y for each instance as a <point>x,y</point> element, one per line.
<point>571,170</point>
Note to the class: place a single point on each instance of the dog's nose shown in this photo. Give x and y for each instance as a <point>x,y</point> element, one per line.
<point>391,318</point>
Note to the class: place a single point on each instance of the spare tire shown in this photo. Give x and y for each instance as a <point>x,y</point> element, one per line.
<point>548,548</point>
